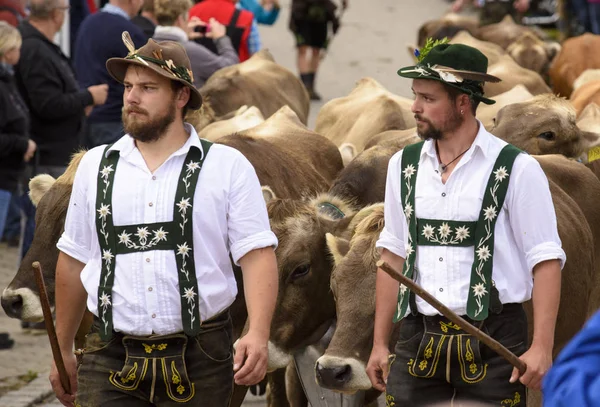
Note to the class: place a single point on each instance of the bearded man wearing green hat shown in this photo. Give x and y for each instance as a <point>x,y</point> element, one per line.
<point>154,222</point>
<point>470,218</point>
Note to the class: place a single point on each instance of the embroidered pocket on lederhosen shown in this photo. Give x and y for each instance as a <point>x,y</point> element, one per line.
<point>472,369</point>
<point>432,345</point>
<point>169,351</point>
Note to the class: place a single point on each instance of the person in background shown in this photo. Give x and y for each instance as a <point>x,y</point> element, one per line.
<point>91,52</point>
<point>16,148</point>
<point>265,13</point>
<point>12,11</point>
<point>493,11</point>
<point>309,22</point>
<point>173,26</point>
<point>238,24</point>
<point>145,20</point>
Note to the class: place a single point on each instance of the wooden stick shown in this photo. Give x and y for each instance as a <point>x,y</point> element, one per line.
<point>452,316</point>
<point>60,364</point>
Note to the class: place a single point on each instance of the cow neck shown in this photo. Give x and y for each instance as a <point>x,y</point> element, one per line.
<point>176,235</point>
<point>439,232</point>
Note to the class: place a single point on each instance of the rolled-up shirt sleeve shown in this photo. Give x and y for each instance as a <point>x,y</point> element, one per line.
<point>393,235</point>
<point>76,240</point>
<point>531,214</point>
<point>248,221</point>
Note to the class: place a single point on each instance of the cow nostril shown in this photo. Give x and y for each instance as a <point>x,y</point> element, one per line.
<point>333,376</point>
<point>343,373</point>
<point>13,305</point>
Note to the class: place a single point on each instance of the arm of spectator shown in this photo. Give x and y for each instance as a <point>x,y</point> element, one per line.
<point>10,143</point>
<point>254,44</point>
<point>45,90</point>
<point>264,14</point>
<point>205,63</point>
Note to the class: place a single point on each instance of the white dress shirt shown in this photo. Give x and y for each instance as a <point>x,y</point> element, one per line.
<point>229,216</point>
<point>525,233</point>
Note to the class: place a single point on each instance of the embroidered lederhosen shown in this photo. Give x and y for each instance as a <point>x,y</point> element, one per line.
<point>176,235</point>
<point>435,232</point>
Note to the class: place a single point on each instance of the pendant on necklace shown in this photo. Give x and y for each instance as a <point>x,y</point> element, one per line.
<point>442,168</point>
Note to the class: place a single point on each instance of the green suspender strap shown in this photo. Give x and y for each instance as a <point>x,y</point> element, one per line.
<point>176,235</point>
<point>410,165</point>
<point>493,199</point>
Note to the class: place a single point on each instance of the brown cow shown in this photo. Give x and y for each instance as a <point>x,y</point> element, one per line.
<point>259,82</point>
<point>487,113</point>
<point>290,171</point>
<point>586,90</point>
<point>577,54</point>
<point>373,109</point>
<point>531,52</point>
<point>503,33</point>
<point>353,280</point>
<point>545,124</point>
<point>244,118</point>
<point>512,74</point>
<point>493,52</point>
<point>447,26</point>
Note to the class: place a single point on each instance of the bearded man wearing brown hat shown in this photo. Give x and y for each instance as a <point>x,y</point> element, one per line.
<point>470,218</point>
<point>153,223</point>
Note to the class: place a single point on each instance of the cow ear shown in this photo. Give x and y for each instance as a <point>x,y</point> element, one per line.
<point>589,140</point>
<point>268,194</point>
<point>38,186</point>
<point>337,246</point>
<point>348,152</point>
<point>552,50</point>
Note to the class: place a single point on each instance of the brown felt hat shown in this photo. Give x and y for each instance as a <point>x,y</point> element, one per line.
<point>166,58</point>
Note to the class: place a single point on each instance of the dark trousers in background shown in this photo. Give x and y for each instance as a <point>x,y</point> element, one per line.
<point>145,374</point>
<point>97,134</point>
<point>436,363</point>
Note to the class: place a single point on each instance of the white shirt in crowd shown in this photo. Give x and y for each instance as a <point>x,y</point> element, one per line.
<point>229,216</point>
<point>525,234</point>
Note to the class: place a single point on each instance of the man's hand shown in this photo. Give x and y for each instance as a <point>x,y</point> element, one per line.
<point>71,367</point>
<point>31,147</point>
<point>217,30</point>
<point>539,361</point>
<point>99,93</point>
<point>250,361</point>
<point>378,367</point>
<point>521,5</point>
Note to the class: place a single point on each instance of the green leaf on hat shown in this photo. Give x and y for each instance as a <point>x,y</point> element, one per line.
<point>429,45</point>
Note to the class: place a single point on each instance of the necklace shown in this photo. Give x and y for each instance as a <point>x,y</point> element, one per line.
<point>443,167</point>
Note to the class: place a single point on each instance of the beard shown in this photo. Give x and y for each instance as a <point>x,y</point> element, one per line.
<point>432,132</point>
<point>150,130</point>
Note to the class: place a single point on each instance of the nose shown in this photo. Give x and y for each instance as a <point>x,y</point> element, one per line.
<point>333,377</point>
<point>13,305</point>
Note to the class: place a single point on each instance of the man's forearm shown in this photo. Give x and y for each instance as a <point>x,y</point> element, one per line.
<point>546,299</point>
<point>70,300</point>
<point>259,268</point>
<point>386,298</point>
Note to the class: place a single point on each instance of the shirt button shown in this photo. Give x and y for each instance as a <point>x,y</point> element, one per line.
<point>154,178</point>
<point>441,259</point>
<point>149,288</point>
<point>147,259</point>
<point>441,289</point>
<point>153,315</point>
<point>443,194</point>
<point>150,204</point>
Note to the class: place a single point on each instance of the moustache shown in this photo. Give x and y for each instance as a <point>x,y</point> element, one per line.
<point>421,118</point>
<point>134,110</point>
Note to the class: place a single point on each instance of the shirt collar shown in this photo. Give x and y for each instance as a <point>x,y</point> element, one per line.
<point>112,9</point>
<point>126,144</point>
<point>481,142</point>
<point>171,31</point>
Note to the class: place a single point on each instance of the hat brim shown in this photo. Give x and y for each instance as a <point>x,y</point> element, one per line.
<point>117,68</point>
<point>412,72</point>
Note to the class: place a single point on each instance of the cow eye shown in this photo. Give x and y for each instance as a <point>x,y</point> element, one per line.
<point>300,272</point>
<point>547,135</point>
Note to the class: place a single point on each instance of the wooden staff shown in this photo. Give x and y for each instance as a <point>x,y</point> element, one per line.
<point>60,364</point>
<point>452,316</point>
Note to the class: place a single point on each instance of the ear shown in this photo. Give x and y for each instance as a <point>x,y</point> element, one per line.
<point>268,194</point>
<point>552,50</point>
<point>183,97</point>
<point>348,152</point>
<point>38,186</point>
<point>337,246</point>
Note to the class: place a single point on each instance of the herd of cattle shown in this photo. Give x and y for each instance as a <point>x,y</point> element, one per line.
<point>324,189</point>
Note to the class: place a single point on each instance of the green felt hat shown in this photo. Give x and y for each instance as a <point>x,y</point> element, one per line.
<point>456,65</point>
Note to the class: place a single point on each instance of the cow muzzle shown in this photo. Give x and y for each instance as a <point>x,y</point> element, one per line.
<point>346,375</point>
<point>22,304</point>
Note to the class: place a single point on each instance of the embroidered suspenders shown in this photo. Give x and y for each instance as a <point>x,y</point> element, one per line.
<point>480,234</point>
<point>176,235</point>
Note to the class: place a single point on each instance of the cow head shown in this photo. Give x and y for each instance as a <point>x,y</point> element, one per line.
<point>343,366</point>
<point>544,125</point>
<point>51,198</point>
<point>531,52</point>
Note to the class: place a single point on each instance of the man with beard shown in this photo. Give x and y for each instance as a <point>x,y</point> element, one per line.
<point>469,218</point>
<point>154,221</point>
